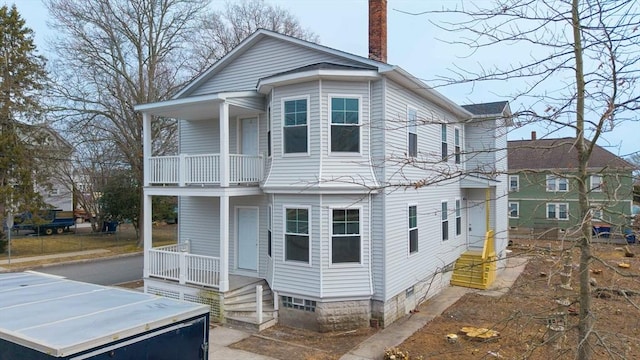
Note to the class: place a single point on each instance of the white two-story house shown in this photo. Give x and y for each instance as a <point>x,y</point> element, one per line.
<point>321,189</point>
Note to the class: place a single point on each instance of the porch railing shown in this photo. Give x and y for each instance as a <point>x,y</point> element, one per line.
<point>173,262</point>
<point>186,169</point>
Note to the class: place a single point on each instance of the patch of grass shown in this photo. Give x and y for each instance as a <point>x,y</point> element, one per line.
<point>122,241</point>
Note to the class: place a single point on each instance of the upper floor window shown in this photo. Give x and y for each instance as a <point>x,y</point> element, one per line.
<point>556,183</point>
<point>345,236</point>
<point>445,151</point>
<point>457,144</point>
<point>413,132</point>
<point>413,229</point>
<point>269,131</point>
<point>514,210</point>
<point>458,217</point>
<point>296,235</point>
<point>445,221</point>
<point>295,126</point>
<point>596,183</point>
<point>514,182</point>
<point>596,212</point>
<point>558,211</point>
<point>345,124</point>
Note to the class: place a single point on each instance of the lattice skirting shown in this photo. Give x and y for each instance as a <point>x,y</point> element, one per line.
<point>209,297</point>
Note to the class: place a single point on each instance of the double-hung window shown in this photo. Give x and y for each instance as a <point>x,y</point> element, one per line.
<point>457,144</point>
<point>596,183</point>
<point>514,182</point>
<point>269,232</point>
<point>558,211</point>
<point>514,210</point>
<point>295,126</point>
<point>413,229</point>
<point>345,124</point>
<point>557,184</point>
<point>444,150</point>
<point>297,235</point>
<point>413,132</point>
<point>269,131</point>
<point>458,217</point>
<point>345,236</point>
<point>445,221</point>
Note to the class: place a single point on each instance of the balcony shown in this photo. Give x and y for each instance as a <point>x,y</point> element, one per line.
<point>204,169</point>
<point>174,262</point>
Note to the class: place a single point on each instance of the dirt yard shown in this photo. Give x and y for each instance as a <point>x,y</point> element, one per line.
<point>521,317</point>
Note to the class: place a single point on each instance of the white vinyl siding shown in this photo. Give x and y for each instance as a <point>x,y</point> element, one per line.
<point>199,224</point>
<point>264,59</point>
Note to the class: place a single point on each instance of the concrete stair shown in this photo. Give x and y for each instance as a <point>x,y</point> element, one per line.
<point>240,307</point>
<point>471,271</point>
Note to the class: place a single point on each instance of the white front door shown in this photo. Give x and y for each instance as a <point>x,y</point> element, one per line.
<point>249,136</point>
<point>477,223</point>
<point>247,226</point>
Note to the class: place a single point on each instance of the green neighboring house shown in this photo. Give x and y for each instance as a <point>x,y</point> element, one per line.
<point>543,187</point>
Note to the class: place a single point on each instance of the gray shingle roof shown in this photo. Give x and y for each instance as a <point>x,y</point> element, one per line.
<point>557,154</point>
<point>492,108</point>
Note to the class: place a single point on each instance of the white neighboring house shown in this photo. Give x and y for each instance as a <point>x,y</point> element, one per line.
<point>289,159</point>
<point>56,156</point>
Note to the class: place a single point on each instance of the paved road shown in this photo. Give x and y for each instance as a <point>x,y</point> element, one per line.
<point>101,272</point>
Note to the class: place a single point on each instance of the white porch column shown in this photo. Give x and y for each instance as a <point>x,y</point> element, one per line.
<point>146,145</point>
<point>224,145</point>
<point>224,243</point>
<point>146,233</point>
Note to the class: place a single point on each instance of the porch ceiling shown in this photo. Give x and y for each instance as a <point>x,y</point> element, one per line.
<point>203,107</point>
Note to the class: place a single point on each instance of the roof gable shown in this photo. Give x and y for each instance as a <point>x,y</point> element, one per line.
<point>298,53</point>
<point>558,154</point>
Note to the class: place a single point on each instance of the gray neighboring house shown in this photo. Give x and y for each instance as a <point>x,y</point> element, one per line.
<point>288,159</point>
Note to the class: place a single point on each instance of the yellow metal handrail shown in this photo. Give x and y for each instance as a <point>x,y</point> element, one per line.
<point>489,248</point>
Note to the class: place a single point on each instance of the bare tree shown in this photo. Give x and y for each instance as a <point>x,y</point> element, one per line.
<point>226,28</point>
<point>113,55</point>
<point>581,72</point>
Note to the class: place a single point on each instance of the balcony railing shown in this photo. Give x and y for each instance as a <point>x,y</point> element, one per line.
<point>174,262</point>
<point>204,169</point>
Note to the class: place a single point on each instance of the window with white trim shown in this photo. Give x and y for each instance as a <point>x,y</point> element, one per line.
<point>269,232</point>
<point>514,210</point>
<point>295,126</point>
<point>596,212</point>
<point>445,221</point>
<point>413,229</point>
<point>268,130</point>
<point>443,136</point>
<point>557,184</point>
<point>558,211</point>
<point>458,217</point>
<point>514,182</point>
<point>596,183</point>
<point>297,235</point>
<point>413,132</point>
<point>345,236</point>
<point>457,145</point>
<point>345,124</point>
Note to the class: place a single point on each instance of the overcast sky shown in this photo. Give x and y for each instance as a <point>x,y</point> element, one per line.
<point>413,43</point>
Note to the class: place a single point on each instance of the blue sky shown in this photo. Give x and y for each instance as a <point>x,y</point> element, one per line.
<point>413,43</point>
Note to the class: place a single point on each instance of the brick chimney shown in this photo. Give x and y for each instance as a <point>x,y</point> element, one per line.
<point>533,135</point>
<point>378,30</point>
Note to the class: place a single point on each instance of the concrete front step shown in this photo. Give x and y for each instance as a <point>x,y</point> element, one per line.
<point>247,298</point>
<point>250,323</point>
<point>251,313</point>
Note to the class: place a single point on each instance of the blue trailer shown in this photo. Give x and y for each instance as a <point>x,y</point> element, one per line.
<point>44,317</point>
<point>45,222</point>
